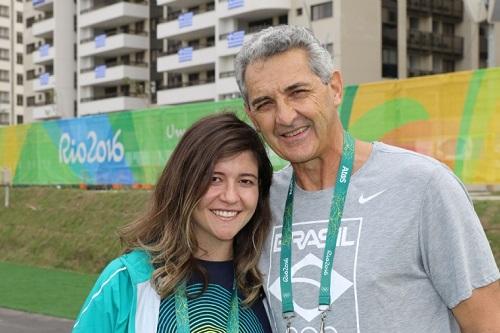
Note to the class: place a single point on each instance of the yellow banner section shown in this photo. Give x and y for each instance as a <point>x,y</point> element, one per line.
<point>453,117</point>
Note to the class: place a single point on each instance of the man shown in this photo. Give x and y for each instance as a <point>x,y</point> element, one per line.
<point>408,254</point>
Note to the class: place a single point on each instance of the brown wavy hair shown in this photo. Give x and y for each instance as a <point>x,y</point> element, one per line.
<point>166,231</point>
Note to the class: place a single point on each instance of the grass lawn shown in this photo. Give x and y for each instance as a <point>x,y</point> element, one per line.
<point>72,234</point>
<point>48,291</point>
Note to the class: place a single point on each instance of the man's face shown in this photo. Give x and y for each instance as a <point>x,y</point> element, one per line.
<point>292,108</point>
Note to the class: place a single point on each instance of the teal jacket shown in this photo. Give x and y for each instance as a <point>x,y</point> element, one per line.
<point>122,299</point>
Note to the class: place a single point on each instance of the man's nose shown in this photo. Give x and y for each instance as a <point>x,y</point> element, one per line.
<point>285,113</point>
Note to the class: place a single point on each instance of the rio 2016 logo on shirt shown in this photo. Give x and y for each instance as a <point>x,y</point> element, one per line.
<point>91,150</point>
<point>308,242</point>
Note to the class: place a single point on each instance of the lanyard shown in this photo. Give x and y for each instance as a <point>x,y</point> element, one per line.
<point>336,210</point>
<point>182,314</point>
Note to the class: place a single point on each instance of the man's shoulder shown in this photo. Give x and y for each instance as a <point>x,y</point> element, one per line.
<point>408,163</point>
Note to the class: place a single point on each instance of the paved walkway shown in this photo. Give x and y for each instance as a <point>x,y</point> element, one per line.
<point>21,322</point>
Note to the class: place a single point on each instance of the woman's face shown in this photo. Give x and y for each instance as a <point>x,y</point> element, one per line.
<point>229,202</point>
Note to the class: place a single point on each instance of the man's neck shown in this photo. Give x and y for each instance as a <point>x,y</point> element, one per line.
<point>321,173</point>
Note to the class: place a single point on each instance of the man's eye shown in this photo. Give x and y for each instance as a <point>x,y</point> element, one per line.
<point>263,106</point>
<point>299,93</point>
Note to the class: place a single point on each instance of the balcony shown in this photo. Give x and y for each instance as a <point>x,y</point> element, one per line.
<point>43,5</point>
<point>226,84</point>
<point>44,82</point>
<point>431,42</point>
<point>202,24</point>
<point>44,55</point>
<point>201,58</point>
<point>44,28</point>
<point>187,92</point>
<point>226,47</point>
<point>252,9</point>
<point>448,8</point>
<point>114,13</point>
<point>419,6</point>
<point>111,103</point>
<point>45,111</point>
<point>114,44</point>
<point>109,75</point>
<point>415,71</point>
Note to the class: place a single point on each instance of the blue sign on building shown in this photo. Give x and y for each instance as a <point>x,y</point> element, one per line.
<point>100,40</point>
<point>43,50</point>
<point>37,2</point>
<point>44,79</point>
<point>185,54</point>
<point>100,71</point>
<point>231,4</point>
<point>235,39</point>
<point>186,20</point>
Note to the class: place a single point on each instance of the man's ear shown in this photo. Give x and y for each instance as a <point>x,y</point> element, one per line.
<point>251,117</point>
<point>337,86</point>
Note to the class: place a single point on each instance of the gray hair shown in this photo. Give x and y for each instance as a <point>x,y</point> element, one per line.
<point>279,39</point>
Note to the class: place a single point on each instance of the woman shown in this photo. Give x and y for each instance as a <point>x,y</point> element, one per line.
<point>190,264</point>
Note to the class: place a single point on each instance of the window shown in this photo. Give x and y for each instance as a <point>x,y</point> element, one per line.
<point>321,11</point>
<point>448,29</point>
<point>4,33</point>
<point>413,23</point>
<point>4,97</point>
<point>19,100</point>
<point>448,66</point>
<point>298,11</point>
<point>4,54</point>
<point>4,75</point>
<point>30,75</point>
<point>30,48</point>
<point>19,38</point>
<point>30,21</point>
<point>19,79</point>
<point>19,118</point>
<point>4,11</point>
<point>30,101</point>
<point>19,58</point>
<point>193,78</point>
<point>19,17</point>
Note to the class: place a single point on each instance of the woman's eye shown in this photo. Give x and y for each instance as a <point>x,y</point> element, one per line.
<point>247,181</point>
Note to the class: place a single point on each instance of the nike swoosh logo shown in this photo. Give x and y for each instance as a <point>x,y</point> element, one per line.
<point>362,200</point>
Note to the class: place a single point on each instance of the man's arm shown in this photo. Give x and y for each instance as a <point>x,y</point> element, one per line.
<point>480,313</point>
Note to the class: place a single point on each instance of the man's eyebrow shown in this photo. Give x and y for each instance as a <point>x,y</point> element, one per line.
<point>295,86</point>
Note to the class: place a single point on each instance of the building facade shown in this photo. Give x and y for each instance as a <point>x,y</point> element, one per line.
<point>11,63</point>
<point>95,56</point>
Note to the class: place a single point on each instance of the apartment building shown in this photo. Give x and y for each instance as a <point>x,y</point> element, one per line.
<point>11,63</point>
<point>117,48</point>
<point>386,39</point>
<point>50,59</point>
<point>94,56</point>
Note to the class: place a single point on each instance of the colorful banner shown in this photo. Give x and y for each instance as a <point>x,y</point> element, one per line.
<point>453,117</point>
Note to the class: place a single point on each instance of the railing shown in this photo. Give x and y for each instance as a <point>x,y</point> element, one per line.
<point>414,71</point>
<point>250,30</point>
<point>101,4</point>
<point>114,33</point>
<point>449,8</point>
<point>429,41</point>
<point>115,64</point>
<point>47,16</point>
<point>172,16</point>
<point>186,84</point>
<point>174,50</point>
<point>113,95</point>
<point>226,74</point>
